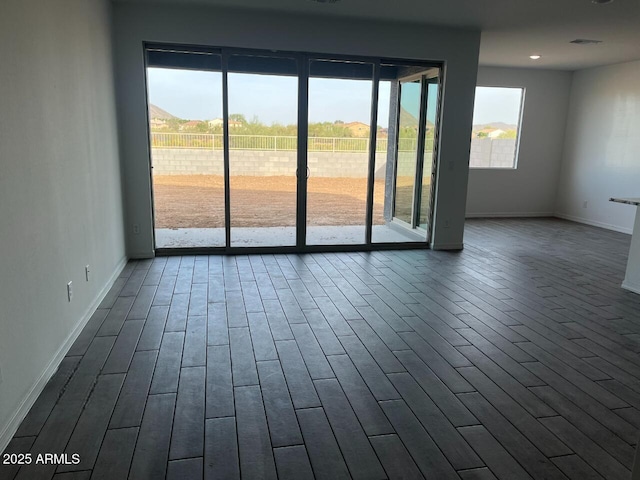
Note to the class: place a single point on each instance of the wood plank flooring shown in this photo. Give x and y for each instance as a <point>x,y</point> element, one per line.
<point>515,358</point>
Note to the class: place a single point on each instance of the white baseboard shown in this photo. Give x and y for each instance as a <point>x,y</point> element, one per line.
<point>631,288</point>
<point>9,430</point>
<point>509,215</point>
<point>593,223</point>
<point>448,246</point>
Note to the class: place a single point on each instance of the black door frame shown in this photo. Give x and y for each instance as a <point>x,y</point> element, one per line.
<point>202,58</point>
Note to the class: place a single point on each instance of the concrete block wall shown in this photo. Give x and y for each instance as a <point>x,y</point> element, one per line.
<point>406,164</point>
<point>492,153</point>
<point>169,161</point>
<point>184,161</point>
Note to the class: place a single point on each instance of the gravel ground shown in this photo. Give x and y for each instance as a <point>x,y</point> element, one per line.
<point>197,201</point>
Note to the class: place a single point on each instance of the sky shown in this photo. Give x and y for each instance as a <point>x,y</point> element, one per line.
<point>197,95</point>
<point>497,105</point>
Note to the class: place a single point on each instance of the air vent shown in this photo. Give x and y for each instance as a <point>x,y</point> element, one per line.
<point>584,41</point>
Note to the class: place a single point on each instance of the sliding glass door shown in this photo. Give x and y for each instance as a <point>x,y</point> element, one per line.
<point>186,155</point>
<point>425,204</point>
<point>338,151</point>
<point>407,151</point>
<point>289,151</point>
<point>405,159</point>
<point>263,111</point>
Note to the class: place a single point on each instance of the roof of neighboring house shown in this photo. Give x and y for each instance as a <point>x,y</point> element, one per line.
<point>495,133</point>
<point>191,123</point>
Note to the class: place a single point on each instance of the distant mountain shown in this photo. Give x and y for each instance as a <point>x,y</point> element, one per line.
<point>494,126</point>
<point>408,120</point>
<point>157,112</point>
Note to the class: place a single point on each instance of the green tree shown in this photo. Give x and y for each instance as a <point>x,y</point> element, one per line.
<point>174,124</point>
<point>509,134</point>
<point>408,132</point>
<point>328,129</point>
<point>202,127</point>
<point>238,117</point>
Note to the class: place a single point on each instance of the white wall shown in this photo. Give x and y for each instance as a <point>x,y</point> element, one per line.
<point>136,23</point>
<point>60,192</point>
<point>602,147</point>
<point>530,189</point>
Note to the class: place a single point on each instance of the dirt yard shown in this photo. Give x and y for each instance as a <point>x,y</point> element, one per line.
<point>197,201</point>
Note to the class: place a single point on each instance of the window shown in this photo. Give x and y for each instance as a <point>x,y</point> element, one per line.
<point>496,127</point>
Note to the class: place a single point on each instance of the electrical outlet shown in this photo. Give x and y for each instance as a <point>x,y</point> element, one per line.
<point>136,229</point>
<point>584,204</point>
<point>446,224</point>
<point>86,272</point>
<point>70,291</point>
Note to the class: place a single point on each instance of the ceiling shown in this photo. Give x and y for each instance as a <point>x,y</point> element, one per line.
<point>511,29</point>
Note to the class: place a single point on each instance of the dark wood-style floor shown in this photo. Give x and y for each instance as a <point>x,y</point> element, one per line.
<point>516,358</point>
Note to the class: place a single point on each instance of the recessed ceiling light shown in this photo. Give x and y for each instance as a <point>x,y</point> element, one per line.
<point>601,2</point>
<point>535,57</point>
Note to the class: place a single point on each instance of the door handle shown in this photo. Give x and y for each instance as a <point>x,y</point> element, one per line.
<point>308,172</point>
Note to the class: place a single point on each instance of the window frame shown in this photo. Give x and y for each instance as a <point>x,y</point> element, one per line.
<point>516,155</point>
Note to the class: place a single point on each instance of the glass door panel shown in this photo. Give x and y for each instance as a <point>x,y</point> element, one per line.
<point>384,228</point>
<point>338,151</point>
<point>185,118</point>
<point>408,125</point>
<point>263,110</point>
<point>404,156</point>
<point>433,93</point>
<point>384,164</point>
